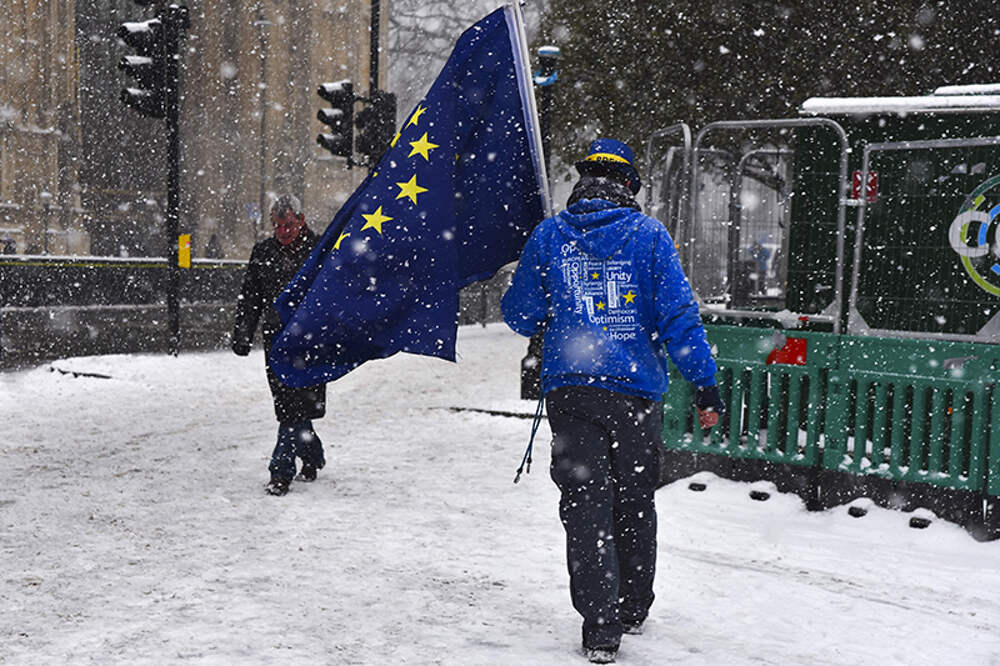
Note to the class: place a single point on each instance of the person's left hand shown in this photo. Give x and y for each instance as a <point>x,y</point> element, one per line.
<point>710,405</point>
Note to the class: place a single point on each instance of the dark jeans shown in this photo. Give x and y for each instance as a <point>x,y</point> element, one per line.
<point>296,439</point>
<point>606,462</point>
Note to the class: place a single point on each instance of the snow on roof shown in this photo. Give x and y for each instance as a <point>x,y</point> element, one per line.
<point>972,89</point>
<point>900,105</point>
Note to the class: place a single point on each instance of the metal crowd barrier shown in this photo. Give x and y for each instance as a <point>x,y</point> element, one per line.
<point>833,417</point>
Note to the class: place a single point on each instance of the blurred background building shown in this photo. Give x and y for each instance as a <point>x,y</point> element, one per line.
<point>81,174</point>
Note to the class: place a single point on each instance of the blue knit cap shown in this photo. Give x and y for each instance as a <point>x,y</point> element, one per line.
<point>610,155</point>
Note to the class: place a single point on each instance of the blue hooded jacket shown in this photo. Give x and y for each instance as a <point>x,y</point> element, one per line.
<point>607,286</point>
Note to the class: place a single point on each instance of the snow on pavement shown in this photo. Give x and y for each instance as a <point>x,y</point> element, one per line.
<point>134,529</point>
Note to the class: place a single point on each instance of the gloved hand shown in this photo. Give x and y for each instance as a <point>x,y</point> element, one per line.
<point>240,348</point>
<point>709,404</point>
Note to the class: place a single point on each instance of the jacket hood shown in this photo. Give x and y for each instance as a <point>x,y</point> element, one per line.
<point>598,227</point>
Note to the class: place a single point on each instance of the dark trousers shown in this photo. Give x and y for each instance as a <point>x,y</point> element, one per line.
<point>606,462</point>
<point>295,439</point>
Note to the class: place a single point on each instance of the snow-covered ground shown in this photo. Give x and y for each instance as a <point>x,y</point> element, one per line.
<point>134,529</point>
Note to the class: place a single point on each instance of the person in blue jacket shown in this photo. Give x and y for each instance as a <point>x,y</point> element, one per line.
<point>605,285</point>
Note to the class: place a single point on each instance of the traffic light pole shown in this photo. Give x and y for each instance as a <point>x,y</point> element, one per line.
<point>373,83</point>
<point>545,120</point>
<point>547,75</point>
<point>173,182</point>
<point>374,50</point>
<point>156,69</point>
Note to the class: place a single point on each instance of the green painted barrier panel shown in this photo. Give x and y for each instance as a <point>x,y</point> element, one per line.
<point>938,393</point>
<point>902,409</point>
<point>774,410</point>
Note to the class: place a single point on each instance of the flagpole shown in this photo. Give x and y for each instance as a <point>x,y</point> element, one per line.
<point>532,108</point>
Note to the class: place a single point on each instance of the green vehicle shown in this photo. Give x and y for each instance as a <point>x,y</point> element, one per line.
<point>847,264</point>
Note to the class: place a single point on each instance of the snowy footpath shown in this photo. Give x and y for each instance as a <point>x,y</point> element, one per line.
<point>134,530</point>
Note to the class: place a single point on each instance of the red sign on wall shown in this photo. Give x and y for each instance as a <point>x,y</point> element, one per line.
<point>871,189</point>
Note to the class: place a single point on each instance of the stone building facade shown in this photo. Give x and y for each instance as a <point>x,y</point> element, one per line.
<point>39,128</point>
<point>81,174</point>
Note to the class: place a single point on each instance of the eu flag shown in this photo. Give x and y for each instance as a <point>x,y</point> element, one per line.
<point>451,201</point>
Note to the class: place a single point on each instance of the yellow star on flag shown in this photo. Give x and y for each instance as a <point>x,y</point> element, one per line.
<point>415,118</point>
<point>600,305</point>
<point>375,220</point>
<point>629,297</point>
<point>594,276</point>
<point>395,139</point>
<point>422,147</point>
<point>336,246</point>
<point>410,189</point>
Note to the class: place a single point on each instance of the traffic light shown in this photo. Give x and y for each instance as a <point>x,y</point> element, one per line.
<point>548,66</point>
<point>156,69</point>
<point>376,124</point>
<point>545,77</point>
<point>148,67</point>
<point>340,118</point>
<point>155,63</point>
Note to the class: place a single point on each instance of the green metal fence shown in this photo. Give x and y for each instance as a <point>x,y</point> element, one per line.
<point>904,406</point>
<point>904,410</point>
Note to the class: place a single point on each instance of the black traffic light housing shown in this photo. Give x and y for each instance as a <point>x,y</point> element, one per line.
<point>548,66</point>
<point>339,118</point>
<point>155,63</point>
<point>147,66</point>
<point>376,125</point>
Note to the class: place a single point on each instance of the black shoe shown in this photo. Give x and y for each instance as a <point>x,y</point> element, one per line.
<point>601,655</point>
<point>277,487</point>
<point>308,473</point>
<point>635,628</point>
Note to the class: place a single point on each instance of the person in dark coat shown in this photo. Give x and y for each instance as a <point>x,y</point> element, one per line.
<point>273,263</point>
<point>603,282</point>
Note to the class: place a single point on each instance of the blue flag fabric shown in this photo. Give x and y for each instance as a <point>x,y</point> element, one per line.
<point>452,200</point>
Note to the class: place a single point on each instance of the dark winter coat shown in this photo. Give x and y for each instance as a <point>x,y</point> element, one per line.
<point>271,267</point>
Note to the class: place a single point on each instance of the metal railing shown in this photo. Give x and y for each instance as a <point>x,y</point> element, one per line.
<point>923,412</point>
